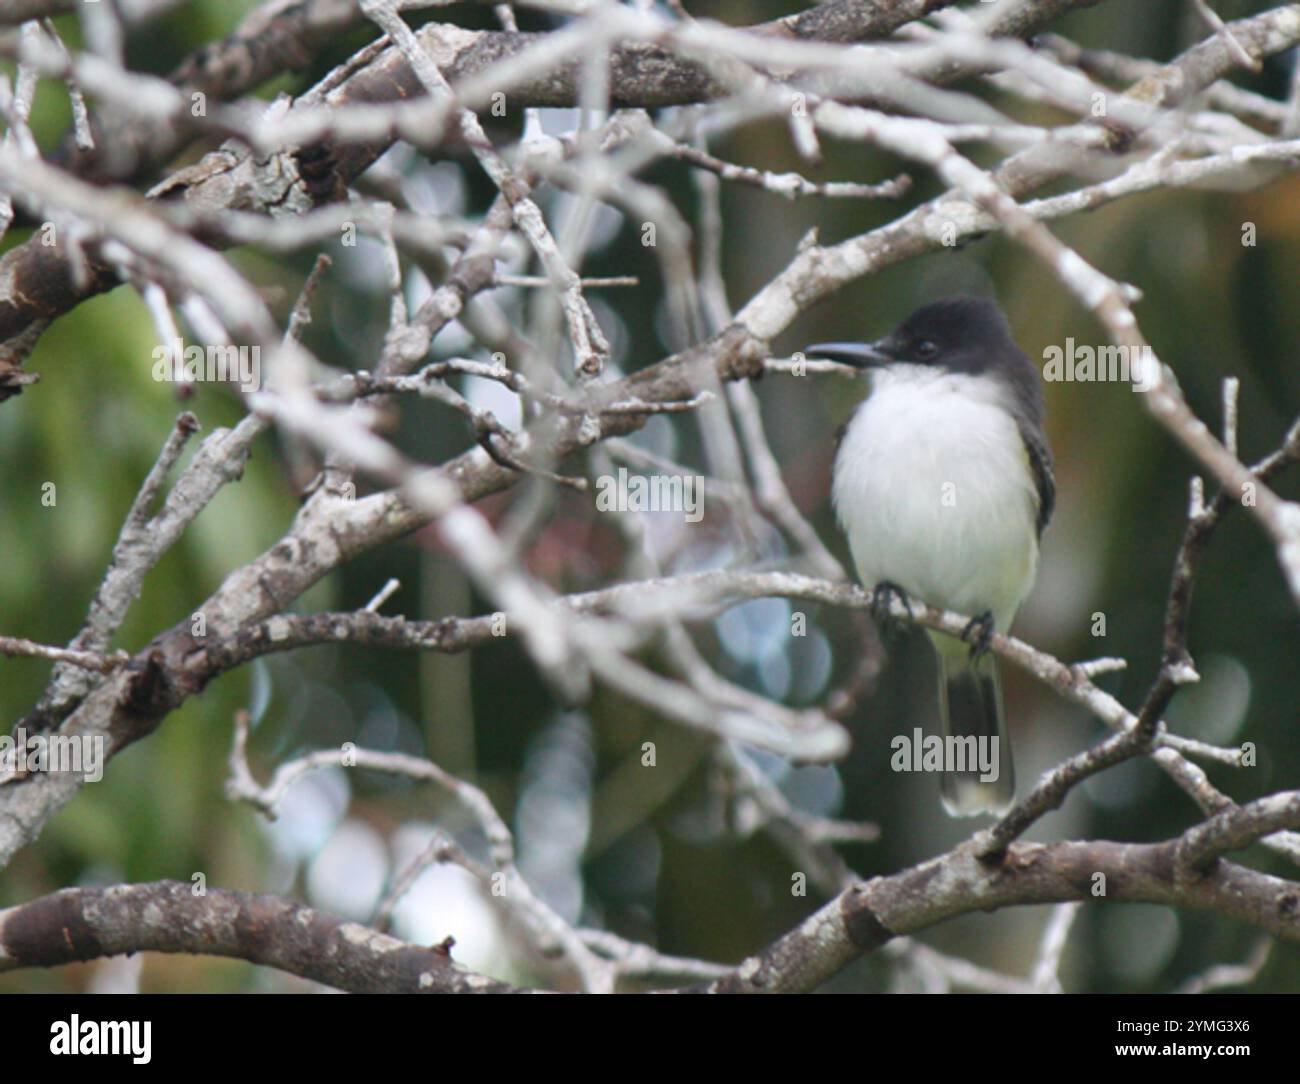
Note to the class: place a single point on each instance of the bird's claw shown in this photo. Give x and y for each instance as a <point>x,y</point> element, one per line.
<point>979,633</point>
<point>882,600</point>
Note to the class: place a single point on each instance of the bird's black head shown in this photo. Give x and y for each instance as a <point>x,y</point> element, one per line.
<point>959,334</point>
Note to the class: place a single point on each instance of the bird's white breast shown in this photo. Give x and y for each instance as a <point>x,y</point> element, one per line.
<point>933,487</point>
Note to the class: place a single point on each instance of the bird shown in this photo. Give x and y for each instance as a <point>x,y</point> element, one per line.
<point>943,484</point>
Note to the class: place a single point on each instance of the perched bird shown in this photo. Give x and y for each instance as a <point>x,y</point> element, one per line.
<point>943,484</point>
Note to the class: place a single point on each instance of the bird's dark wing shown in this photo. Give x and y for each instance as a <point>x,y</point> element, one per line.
<point>1040,462</point>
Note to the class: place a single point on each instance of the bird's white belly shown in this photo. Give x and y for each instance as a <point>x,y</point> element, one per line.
<point>934,490</point>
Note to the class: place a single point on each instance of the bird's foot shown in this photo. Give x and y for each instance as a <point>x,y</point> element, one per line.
<point>882,600</point>
<point>979,633</point>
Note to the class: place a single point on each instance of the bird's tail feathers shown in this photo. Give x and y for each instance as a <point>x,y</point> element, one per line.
<point>970,703</point>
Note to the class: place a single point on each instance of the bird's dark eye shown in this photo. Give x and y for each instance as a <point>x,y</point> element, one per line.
<point>926,348</point>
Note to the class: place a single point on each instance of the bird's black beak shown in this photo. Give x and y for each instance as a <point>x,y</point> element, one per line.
<point>859,355</point>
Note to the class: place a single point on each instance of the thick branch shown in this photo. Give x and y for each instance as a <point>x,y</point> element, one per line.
<point>868,915</point>
<point>90,923</point>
